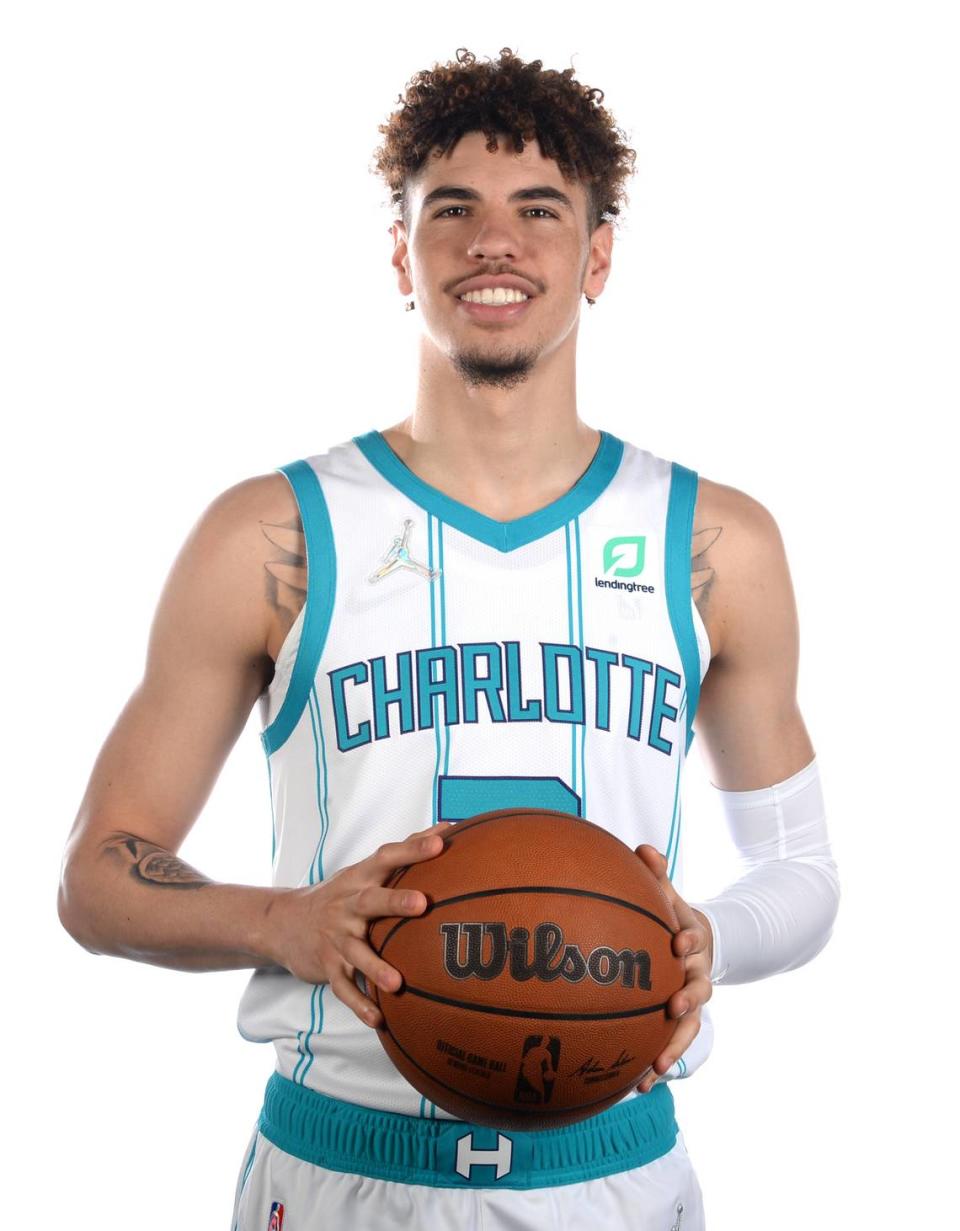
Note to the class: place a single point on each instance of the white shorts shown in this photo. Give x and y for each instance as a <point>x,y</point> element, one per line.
<point>278,1191</point>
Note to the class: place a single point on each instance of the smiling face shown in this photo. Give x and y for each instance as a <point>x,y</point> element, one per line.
<point>480,220</point>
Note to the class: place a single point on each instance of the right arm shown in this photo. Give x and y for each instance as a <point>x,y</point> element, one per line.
<point>123,890</point>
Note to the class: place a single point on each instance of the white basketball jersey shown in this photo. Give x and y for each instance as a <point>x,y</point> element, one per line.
<point>446,664</point>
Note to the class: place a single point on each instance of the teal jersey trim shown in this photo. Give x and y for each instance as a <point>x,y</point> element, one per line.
<point>680,506</point>
<point>453,1153</point>
<point>503,535</point>
<point>321,591</point>
<point>673,841</point>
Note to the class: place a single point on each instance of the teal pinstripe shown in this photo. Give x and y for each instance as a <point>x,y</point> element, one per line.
<point>316,875</point>
<point>443,634</point>
<point>433,643</point>
<point>320,755</point>
<point>245,1176</point>
<point>436,725</point>
<point>273,815</point>
<point>316,1027</point>
<point>583,733</point>
<point>570,640</point>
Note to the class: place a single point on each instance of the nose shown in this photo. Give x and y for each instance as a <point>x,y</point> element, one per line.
<point>494,241</point>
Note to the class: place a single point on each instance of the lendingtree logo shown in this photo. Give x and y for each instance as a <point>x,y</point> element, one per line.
<point>627,552</point>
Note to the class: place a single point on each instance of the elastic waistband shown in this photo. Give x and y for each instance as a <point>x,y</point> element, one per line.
<point>455,1154</point>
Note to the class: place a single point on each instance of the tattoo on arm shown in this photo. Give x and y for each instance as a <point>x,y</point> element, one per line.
<point>152,865</point>
<point>286,576</point>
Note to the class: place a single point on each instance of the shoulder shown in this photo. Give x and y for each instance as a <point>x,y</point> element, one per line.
<point>738,560</point>
<point>240,522</point>
<point>745,520</point>
<point>245,560</point>
<point>250,500</point>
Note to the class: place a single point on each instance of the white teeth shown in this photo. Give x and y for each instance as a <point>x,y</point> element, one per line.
<point>495,295</point>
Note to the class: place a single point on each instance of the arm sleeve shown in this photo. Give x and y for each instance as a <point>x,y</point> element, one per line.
<point>780,913</point>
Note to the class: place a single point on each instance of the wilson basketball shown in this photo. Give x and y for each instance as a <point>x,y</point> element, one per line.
<point>536,981</point>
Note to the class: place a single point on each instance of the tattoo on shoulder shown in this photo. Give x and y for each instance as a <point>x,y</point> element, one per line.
<point>286,575</point>
<point>703,574</point>
<point>152,865</point>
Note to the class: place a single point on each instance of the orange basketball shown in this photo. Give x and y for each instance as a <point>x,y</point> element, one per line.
<point>536,981</point>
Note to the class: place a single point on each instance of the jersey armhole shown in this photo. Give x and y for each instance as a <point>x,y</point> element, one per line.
<point>318,605</point>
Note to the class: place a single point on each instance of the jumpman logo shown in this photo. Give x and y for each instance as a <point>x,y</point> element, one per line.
<point>399,557</point>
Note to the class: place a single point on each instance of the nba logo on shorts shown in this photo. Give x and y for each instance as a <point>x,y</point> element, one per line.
<point>276,1217</point>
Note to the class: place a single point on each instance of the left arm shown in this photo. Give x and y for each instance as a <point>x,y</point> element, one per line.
<point>759,756</point>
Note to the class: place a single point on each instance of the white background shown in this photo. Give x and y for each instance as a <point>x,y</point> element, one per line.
<point>196,288</point>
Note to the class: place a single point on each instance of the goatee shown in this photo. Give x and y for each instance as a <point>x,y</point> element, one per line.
<point>499,371</point>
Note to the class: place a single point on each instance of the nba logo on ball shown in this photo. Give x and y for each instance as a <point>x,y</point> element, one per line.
<point>538,1069</point>
<point>276,1217</point>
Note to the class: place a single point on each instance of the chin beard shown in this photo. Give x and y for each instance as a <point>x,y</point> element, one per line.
<point>498,371</point>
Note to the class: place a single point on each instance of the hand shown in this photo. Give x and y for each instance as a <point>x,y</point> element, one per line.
<point>694,943</point>
<point>319,933</point>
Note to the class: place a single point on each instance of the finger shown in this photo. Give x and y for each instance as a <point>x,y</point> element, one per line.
<point>686,1031</point>
<point>643,1086</point>
<point>693,995</point>
<point>691,939</point>
<point>374,968</point>
<point>393,855</point>
<point>376,902</point>
<point>654,861</point>
<point>344,988</point>
<point>439,827</point>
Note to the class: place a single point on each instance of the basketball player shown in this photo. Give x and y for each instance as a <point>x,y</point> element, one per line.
<point>488,601</point>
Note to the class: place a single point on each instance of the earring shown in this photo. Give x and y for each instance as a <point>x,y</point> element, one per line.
<point>590,301</point>
<point>410,305</point>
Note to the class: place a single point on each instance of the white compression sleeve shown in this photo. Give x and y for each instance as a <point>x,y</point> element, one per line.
<point>780,913</point>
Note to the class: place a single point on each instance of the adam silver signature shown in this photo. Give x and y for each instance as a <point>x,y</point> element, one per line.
<point>399,557</point>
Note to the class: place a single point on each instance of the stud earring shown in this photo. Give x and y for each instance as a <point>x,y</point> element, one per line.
<point>410,305</point>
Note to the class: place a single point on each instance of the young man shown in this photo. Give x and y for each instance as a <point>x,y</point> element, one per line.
<point>444,602</point>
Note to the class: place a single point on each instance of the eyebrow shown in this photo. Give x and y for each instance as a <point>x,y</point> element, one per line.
<point>542,192</point>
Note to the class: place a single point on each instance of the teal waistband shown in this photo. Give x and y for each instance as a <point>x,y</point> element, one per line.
<point>454,1154</point>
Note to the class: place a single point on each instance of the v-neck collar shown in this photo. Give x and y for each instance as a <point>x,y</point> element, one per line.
<point>503,535</point>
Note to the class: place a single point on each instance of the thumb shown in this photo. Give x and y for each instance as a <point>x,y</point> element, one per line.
<point>653,859</point>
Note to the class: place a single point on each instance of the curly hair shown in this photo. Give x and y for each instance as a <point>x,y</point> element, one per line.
<point>523,102</point>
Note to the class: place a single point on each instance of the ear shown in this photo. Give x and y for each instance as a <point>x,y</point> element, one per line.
<point>599,260</point>
<point>399,260</point>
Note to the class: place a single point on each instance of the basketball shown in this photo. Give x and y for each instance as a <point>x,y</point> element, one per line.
<point>537,979</point>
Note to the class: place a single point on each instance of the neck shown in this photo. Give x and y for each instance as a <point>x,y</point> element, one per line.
<point>503,452</point>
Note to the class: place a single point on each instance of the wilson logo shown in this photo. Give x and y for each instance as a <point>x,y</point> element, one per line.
<point>485,950</point>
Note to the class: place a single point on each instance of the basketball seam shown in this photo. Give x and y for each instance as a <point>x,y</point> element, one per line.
<point>492,893</point>
<point>507,813</point>
<point>539,1014</point>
